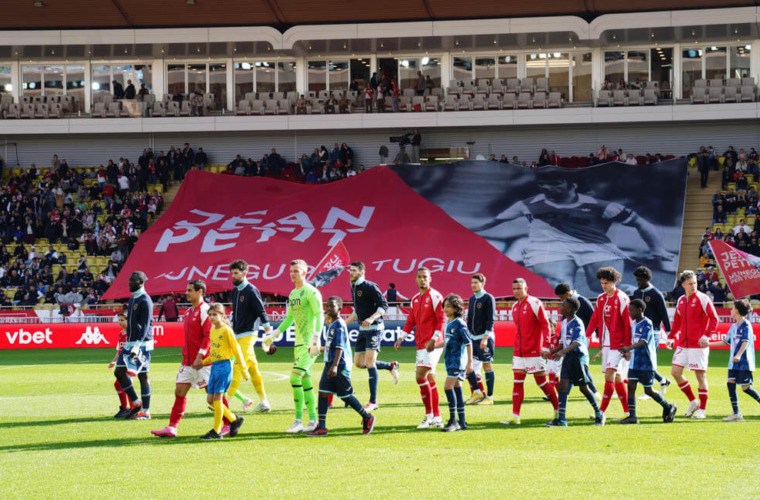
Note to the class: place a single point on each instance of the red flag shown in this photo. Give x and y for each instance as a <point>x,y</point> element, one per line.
<point>330,267</point>
<point>741,270</point>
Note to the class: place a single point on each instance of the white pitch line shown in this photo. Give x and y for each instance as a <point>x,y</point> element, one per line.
<point>280,376</point>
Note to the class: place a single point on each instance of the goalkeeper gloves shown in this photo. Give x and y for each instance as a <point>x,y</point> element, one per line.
<point>268,338</point>
<point>313,350</point>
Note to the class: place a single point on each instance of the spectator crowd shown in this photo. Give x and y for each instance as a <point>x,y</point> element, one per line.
<point>48,215</point>
<point>321,166</point>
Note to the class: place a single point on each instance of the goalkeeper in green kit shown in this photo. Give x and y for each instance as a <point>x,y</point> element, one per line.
<point>305,309</point>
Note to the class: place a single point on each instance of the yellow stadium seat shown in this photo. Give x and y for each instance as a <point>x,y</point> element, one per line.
<point>751,220</point>
<point>721,160</point>
<point>731,186</point>
<point>692,162</point>
<point>731,220</point>
<point>741,211</point>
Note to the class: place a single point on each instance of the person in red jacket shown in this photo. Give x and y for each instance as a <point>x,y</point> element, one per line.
<point>695,320</point>
<point>191,372</point>
<point>612,320</point>
<point>426,320</point>
<point>531,348</point>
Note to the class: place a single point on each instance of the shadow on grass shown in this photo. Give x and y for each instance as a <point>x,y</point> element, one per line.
<point>159,417</point>
<point>253,435</point>
<point>149,440</point>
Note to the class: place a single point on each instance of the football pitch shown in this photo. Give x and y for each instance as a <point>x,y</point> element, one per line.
<point>58,440</point>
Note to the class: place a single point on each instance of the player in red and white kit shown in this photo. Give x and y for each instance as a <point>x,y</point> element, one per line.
<point>124,403</point>
<point>694,322</point>
<point>612,320</point>
<point>426,320</point>
<point>192,373</point>
<point>531,348</point>
<point>553,367</point>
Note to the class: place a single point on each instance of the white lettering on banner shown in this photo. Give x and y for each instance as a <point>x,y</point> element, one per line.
<point>210,245</point>
<point>221,269</point>
<point>739,276</point>
<point>224,235</point>
<point>440,265</point>
<point>221,273</point>
<point>380,263</point>
<point>92,336</point>
<point>266,276</point>
<point>235,223</point>
<point>336,214</point>
<point>169,237</point>
<point>730,259</point>
<point>210,219</point>
<point>334,262</point>
<point>23,337</point>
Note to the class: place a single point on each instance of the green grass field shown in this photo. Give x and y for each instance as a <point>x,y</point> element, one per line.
<point>58,439</point>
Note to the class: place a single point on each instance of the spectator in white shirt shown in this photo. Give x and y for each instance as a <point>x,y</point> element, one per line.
<point>123,183</point>
<point>742,225</point>
<point>631,159</point>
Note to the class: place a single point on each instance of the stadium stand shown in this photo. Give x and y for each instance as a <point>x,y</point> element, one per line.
<point>66,231</point>
<point>88,218</point>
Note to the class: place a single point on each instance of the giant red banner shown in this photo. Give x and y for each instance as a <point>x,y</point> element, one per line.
<point>216,219</point>
<point>740,269</point>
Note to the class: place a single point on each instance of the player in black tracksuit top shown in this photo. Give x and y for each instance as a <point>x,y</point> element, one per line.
<point>481,314</point>
<point>248,315</point>
<point>656,311</point>
<point>134,358</point>
<point>369,307</point>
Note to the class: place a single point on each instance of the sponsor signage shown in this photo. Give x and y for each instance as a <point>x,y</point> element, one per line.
<point>80,335</point>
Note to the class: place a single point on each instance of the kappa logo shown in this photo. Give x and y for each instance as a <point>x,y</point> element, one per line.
<point>92,336</point>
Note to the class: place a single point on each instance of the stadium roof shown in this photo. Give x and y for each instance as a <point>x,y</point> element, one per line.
<point>79,14</point>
